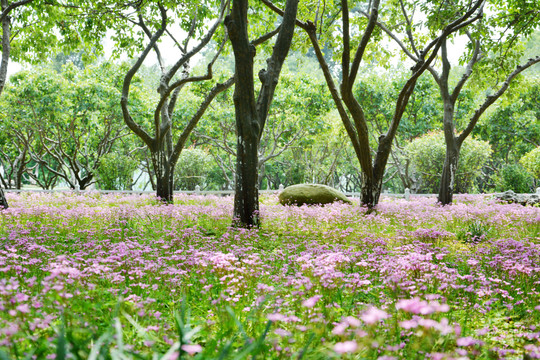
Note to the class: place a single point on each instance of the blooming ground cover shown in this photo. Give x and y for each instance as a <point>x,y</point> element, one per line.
<point>97,276</point>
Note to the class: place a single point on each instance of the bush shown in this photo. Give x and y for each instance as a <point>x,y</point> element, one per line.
<point>191,170</point>
<point>514,177</point>
<point>531,162</point>
<point>427,154</point>
<point>115,172</point>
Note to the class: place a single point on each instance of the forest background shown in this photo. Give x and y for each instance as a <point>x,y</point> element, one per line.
<point>61,122</point>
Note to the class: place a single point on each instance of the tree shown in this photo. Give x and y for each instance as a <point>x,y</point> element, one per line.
<point>351,111</point>
<point>513,128</point>
<point>193,19</point>
<point>49,24</point>
<point>427,154</point>
<point>420,117</point>
<point>531,161</point>
<point>489,51</point>
<point>251,113</point>
<point>66,121</point>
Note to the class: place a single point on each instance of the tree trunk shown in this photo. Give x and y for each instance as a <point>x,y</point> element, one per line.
<point>251,114</point>
<point>448,177</point>
<point>164,176</point>
<point>3,201</point>
<point>246,197</point>
<point>6,46</point>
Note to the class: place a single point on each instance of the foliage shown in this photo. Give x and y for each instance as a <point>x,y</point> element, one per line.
<point>191,170</point>
<point>513,127</point>
<point>475,232</point>
<point>427,155</point>
<point>531,162</point>
<point>514,177</point>
<point>67,120</point>
<point>115,171</point>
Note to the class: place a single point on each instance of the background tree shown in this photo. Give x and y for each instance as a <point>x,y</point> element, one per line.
<point>489,51</point>
<point>513,128</point>
<point>427,154</point>
<point>33,29</point>
<point>67,121</point>
<point>193,19</point>
<point>531,161</point>
<point>296,118</point>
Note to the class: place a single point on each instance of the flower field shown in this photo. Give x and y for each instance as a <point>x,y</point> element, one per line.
<point>123,277</point>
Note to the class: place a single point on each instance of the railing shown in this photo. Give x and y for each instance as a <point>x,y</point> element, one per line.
<point>405,195</point>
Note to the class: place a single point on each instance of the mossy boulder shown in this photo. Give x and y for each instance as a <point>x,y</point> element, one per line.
<point>311,194</point>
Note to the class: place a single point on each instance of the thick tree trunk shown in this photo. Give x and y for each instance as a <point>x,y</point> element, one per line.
<point>246,197</point>
<point>164,176</point>
<point>251,114</point>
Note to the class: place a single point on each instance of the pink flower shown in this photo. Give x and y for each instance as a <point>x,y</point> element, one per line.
<point>345,347</point>
<point>309,303</point>
<point>408,324</point>
<point>352,321</point>
<point>417,306</point>
<point>192,349</point>
<point>373,315</point>
<point>340,329</point>
<point>276,317</point>
<point>468,341</point>
<point>24,308</point>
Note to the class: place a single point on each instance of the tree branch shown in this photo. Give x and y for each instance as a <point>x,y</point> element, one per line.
<point>492,98</point>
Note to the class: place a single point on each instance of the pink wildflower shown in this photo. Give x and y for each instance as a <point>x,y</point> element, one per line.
<point>373,315</point>
<point>192,349</point>
<point>309,303</point>
<point>345,347</point>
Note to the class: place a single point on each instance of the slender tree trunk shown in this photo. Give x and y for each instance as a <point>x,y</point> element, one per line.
<point>6,46</point>
<point>453,146</point>
<point>448,177</point>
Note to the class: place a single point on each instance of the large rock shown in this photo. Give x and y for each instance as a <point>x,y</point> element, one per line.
<point>311,194</point>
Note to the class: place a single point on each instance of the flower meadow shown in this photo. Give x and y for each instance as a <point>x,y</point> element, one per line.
<point>124,277</point>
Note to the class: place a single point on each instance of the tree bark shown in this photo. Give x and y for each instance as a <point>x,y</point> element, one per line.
<point>163,173</point>
<point>6,34</point>
<point>448,176</point>
<point>246,199</point>
<point>3,200</point>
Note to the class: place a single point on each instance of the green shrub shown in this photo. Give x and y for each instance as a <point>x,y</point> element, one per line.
<point>531,162</point>
<point>115,172</point>
<point>514,177</point>
<point>191,170</point>
<point>427,154</point>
